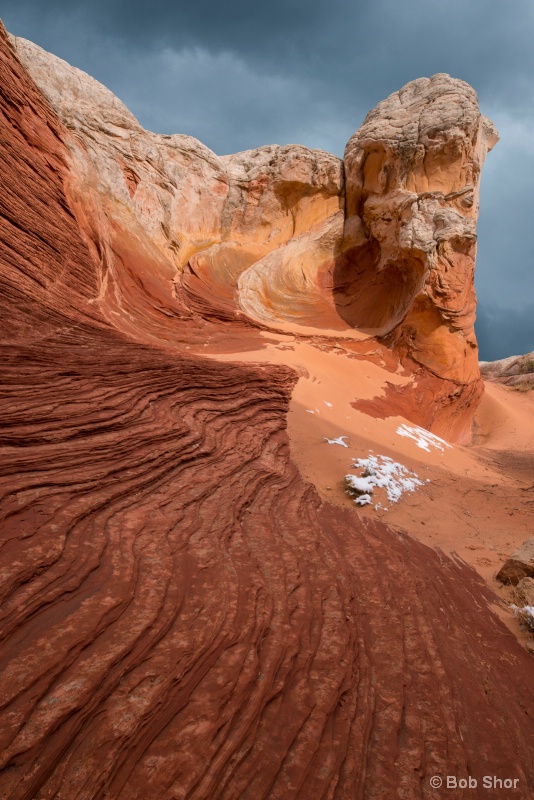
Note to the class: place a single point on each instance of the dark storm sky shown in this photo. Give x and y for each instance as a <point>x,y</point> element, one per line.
<point>240,74</point>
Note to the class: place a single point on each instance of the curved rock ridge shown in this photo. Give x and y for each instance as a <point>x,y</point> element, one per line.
<point>212,215</point>
<point>272,235</point>
<point>182,615</point>
<point>267,236</point>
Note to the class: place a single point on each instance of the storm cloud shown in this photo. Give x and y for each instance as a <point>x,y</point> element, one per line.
<point>237,75</point>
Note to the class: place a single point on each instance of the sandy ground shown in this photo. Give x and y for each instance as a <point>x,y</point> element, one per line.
<point>476,503</point>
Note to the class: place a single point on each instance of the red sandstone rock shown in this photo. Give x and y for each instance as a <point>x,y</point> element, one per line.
<point>271,234</point>
<point>182,616</point>
<point>519,565</point>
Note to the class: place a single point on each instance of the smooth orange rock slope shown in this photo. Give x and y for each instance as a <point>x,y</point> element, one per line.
<point>184,613</point>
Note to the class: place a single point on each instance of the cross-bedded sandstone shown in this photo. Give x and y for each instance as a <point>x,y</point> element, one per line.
<point>182,615</point>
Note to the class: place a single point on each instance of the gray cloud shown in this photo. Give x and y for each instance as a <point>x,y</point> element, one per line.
<point>237,75</point>
<point>367,48</point>
<point>504,332</point>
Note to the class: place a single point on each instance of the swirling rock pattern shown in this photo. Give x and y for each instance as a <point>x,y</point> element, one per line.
<point>182,615</point>
<point>381,245</point>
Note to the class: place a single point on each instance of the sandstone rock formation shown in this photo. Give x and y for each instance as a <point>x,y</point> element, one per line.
<point>515,371</point>
<point>525,591</point>
<point>519,565</point>
<point>201,218</point>
<point>183,615</point>
<point>412,173</point>
<point>273,235</point>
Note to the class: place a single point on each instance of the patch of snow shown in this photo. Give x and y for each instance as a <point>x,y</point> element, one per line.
<point>423,438</point>
<point>309,411</point>
<point>381,472</point>
<point>339,440</point>
<point>362,484</point>
<point>526,611</point>
<point>327,404</point>
<point>525,616</point>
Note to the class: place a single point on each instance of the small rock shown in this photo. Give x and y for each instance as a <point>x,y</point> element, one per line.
<point>525,591</point>
<point>519,565</point>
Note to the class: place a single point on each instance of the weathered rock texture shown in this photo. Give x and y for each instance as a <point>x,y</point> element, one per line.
<point>202,219</point>
<point>274,236</point>
<point>517,371</point>
<point>519,565</point>
<point>412,173</point>
<point>182,616</point>
<point>525,591</point>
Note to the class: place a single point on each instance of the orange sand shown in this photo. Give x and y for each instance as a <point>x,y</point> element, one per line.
<point>477,504</point>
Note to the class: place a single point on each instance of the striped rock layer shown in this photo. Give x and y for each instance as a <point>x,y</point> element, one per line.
<point>182,615</point>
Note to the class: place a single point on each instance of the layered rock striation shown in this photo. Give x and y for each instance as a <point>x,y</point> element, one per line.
<point>182,615</point>
<point>515,371</point>
<point>379,245</point>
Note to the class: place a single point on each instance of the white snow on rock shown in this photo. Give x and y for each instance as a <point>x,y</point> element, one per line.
<point>380,472</point>
<point>327,403</point>
<point>423,438</point>
<point>525,615</point>
<point>339,440</point>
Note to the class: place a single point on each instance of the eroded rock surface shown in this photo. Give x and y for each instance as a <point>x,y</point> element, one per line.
<point>520,564</point>
<point>413,172</point>
<point>272,235</point>
<point>515,371</point>
<point>525,591</point>
<point>210,216</point>
<point>182,615</point>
